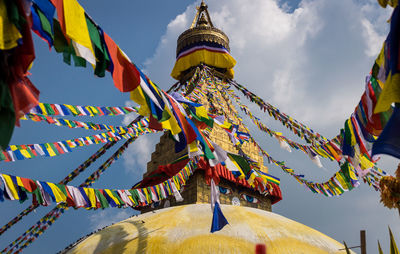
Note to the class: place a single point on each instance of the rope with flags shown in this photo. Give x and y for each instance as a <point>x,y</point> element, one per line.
<point>49,109</point>
<point>69,177</point>
<point>115,198</point>
<point>345,179</point>
<point>29,151</point>
<point>72,124</point>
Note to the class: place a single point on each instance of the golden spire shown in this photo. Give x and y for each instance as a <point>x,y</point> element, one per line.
<point>203,11</point>
<point>202,30</point>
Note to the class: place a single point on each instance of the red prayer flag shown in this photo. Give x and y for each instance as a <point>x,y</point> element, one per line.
<point>29,184</point>
<point>190,134</point>
<point>125,75</point>
<point>25,96</point>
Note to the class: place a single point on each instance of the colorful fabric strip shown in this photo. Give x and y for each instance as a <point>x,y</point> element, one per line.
<point>22,152</point>
<point>79,124</point>
<point>49,109</point>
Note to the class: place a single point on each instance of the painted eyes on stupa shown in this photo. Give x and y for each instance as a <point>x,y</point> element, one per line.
<point>224,190</point>
<point>250,199</point>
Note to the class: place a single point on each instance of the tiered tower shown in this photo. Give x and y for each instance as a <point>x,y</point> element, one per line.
<point>196,191</point>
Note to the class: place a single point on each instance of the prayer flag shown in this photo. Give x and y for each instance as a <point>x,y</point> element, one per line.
<point>125,75</point>
<point>218,221</point>
<point>76,29</point>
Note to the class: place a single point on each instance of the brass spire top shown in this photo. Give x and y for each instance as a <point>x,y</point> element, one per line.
<point>202,30</point>
<point>202,10</point>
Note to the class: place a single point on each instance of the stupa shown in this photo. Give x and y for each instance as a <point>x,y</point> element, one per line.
<point>173,225</point>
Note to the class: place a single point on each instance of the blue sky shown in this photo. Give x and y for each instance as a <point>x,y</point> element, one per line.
<point>308,58</point>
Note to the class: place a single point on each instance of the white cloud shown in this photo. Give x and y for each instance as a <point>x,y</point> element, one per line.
<point>373,39</point>
<point>139,153</point>
<point>129,117</point>
<point>106,217</point>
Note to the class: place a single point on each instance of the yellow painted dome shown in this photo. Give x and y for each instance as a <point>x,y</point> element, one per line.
<point>186,229</point>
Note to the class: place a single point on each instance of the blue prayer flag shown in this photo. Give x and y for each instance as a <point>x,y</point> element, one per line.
<point>219,221</point>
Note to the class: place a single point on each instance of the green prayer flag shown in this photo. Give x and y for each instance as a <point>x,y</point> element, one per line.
<point>46,26</point>
<point>135,197</point>
<point>38,196</point>
<point>345,173</point>
<point>244,165</point>
<point>99,49</point>
<point>7,115</point>
<point>49,109</point>
<point>102,199</point>
<point>117,197</point>
<point>61,45</point>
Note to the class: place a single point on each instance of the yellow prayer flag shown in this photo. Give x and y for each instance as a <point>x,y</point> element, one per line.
<point>73,110</point>
<point>43,108</point>
<point>389,94</point>
<point>58,194</point>
<point>50,150</point>
<point>25,153</point>
<point>9,34</point>
<point>19,181</point>
<point>112,196</point>
<point>380,60</point>
<point>11,186</point>
<point>92,197</point>
<point>365,163</point>
<point>76,28</point>
<point>193,147</point>
<point>341,181</point>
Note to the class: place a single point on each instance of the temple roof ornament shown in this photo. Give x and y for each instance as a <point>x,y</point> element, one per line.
<point>202,30</point>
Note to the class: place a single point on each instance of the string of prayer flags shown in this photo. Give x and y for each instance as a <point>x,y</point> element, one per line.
<point>49,109</point>
<point>292,124</point>
<point>144,123</point>
<point>96,175</point>
<point>22,152</point>
<point>143,196</point>
<point>347,175</point>
<point>35,231</point>
<point>71,176</point>
<point>329,149</point>
<point>66,180</point>
<point>389,63</point>
<point>81,34</point>
<point>83,42</point>
<point>17,188</point>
